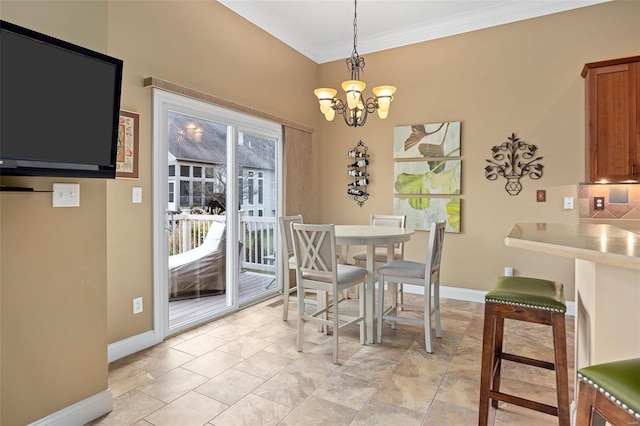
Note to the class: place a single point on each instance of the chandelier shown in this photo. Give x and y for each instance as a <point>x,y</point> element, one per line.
<point>355,109</point>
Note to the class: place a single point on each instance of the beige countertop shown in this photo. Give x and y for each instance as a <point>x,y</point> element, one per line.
<point>601,243</point>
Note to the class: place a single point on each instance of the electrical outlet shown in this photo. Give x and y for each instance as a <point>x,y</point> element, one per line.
<point>598,203</point>
<point>137,305</point>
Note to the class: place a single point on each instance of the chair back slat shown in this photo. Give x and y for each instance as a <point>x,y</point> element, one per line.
<point>285,233</point>
<point>390,220</point>
<point>315,250</point>
<point>434,249</point>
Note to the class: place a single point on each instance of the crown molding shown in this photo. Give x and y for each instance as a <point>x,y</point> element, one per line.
<point>275,17</point>
<point>492,16</point>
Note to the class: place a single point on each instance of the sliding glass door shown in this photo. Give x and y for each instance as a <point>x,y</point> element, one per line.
<point>217,179</point>
<point>258,207</point>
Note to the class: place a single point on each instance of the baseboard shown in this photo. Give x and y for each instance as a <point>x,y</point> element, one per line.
<point>99,404</point>
<point>136,343</point>
<point>132,344</point>
<point>469,295</point>
<point>81,412</point>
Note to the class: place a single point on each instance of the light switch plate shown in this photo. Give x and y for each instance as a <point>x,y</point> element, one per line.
<point>568,203</point>
<point>136,195</point>
<point>66,195</point>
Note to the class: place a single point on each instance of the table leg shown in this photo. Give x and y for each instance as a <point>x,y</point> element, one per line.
<point>344,251</point>
<point>369,309</point>
<point>392,288</point>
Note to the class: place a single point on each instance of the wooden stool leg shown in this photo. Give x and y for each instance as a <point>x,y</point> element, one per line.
<point>488,344</point>
<point>562,380</point>
<point>497,357</point>
<point>586,400</point>
<point>597,409</point>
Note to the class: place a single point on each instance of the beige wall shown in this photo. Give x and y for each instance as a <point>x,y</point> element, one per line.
<point>53,263</point>
<point>206,47</point>
<point>522,78</point>
<point>59,313</point>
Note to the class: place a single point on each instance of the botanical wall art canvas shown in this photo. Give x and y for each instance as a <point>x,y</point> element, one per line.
<point>426,163</point>
<point>422,211</point>
<point>427,177</point>
<point>427,140</point>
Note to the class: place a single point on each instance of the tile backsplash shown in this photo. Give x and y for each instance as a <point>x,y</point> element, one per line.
<point>621,201</point>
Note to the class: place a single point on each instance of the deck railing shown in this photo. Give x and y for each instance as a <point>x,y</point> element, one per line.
<point>257,237</point>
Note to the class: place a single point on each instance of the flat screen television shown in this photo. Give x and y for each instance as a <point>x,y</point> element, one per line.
<point>59,107</point>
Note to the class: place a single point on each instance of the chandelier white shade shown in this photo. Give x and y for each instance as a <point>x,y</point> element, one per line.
<point>356,109</point>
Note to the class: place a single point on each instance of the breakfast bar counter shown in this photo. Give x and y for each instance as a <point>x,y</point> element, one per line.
<point>607,284</point>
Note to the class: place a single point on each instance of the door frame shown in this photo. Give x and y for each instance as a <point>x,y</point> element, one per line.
<point>163,101</point>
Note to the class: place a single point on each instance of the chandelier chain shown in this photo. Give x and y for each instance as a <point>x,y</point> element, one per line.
<point>355,29</point>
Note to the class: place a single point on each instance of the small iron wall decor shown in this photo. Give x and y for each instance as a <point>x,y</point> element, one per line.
<point>513,160</point>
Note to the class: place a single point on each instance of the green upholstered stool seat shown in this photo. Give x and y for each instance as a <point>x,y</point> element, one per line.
<point>529,293</point>
<point>619,381</point>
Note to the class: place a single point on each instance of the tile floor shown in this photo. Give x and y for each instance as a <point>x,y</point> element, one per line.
<point>244,370</point>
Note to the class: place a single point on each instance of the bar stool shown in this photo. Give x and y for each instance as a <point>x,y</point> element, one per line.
<point>612,390</point>
<point>530,300</point>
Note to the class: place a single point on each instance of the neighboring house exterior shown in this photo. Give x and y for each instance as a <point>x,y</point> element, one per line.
<point>198,168</point>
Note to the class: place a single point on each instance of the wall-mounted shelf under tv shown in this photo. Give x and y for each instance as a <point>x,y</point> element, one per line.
<point>23,189</point>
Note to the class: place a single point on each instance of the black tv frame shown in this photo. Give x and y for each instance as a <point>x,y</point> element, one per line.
<point>28,167</point>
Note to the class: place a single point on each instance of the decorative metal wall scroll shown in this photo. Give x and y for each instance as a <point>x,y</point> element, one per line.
<point>358,171</point>
<point>513,160</point>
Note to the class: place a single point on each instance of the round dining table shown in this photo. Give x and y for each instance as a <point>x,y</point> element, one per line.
<point>371,236</point>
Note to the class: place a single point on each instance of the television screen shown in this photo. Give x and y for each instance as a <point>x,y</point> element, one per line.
<point>59,107</point>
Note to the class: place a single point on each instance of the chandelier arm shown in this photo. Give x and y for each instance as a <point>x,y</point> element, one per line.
<point>348,117</point>
<point>371,104</point>
<point>339,106</point>
<point>352,119</point>
<point>363,117</point>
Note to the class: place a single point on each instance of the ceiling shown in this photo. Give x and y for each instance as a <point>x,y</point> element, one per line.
<point>322,30</point>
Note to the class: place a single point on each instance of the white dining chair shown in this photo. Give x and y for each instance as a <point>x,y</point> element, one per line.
<point>426,275</point>
<point>317,268</point>
<point>360,257</point>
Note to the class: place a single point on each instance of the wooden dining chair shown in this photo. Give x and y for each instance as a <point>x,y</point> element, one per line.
<point>317,268</point>
<point>426,275</point>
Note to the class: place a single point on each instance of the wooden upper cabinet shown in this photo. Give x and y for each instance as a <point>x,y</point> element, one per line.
<point>613,119</point>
